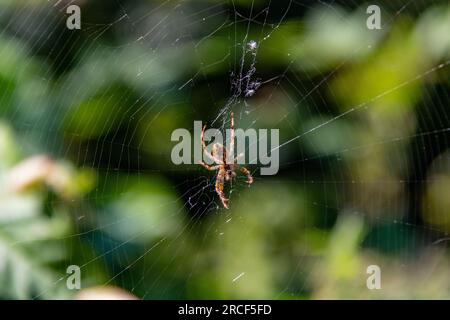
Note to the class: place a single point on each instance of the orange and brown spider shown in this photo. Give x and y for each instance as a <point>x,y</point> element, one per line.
<point>225,163</point>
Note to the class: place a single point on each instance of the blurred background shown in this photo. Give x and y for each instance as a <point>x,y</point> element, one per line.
<point>86,177</point>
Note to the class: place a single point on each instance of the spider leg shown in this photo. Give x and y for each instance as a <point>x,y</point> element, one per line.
<point>208,167</point>
<point>208,154</point>
<point>231,154</point>
<point>240,155</point>
<point>245,171</point>
<point>219,187</point>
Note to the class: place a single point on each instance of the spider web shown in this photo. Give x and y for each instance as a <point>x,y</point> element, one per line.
<point>179,32</point>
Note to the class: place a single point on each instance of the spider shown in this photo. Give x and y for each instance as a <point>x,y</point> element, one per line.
<point>225,164</point>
